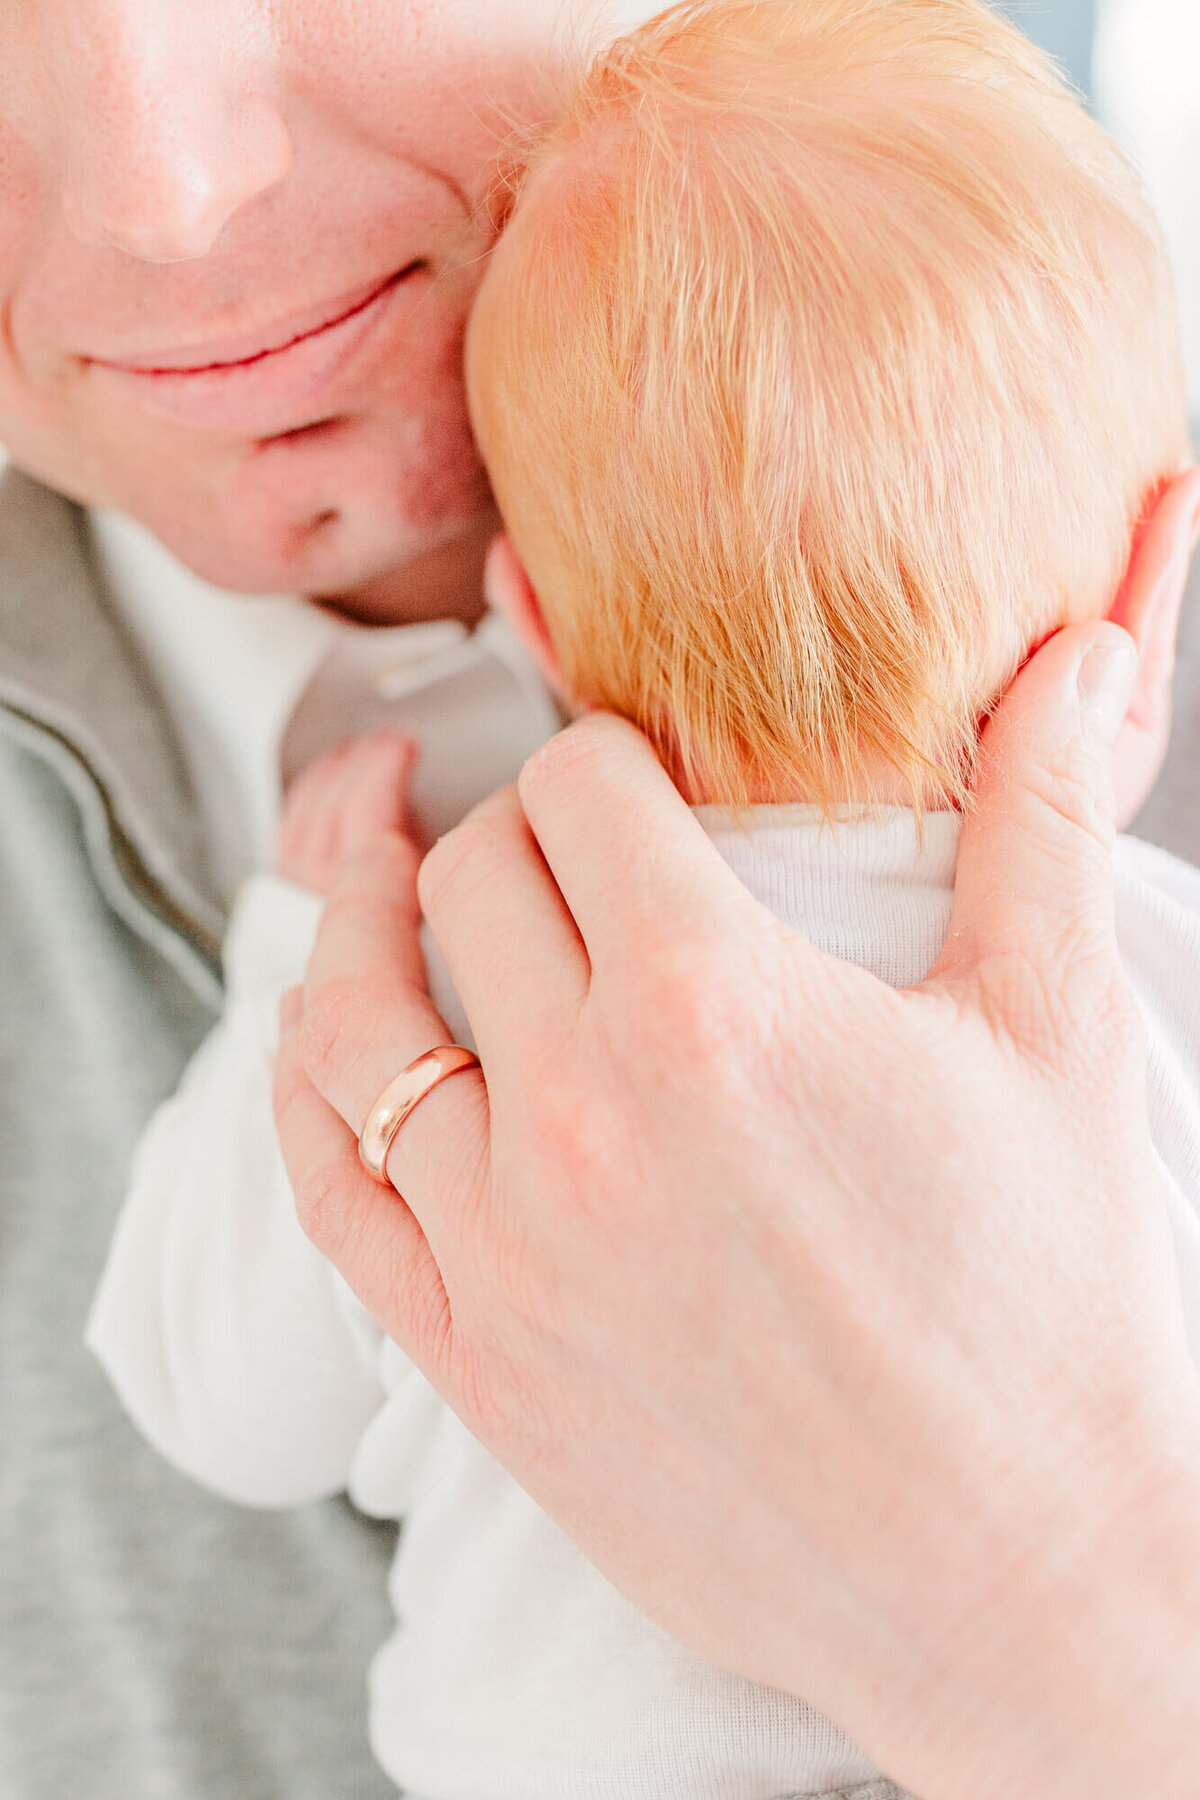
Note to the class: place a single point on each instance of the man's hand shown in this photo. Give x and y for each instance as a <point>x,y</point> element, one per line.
<point>837,1325</point>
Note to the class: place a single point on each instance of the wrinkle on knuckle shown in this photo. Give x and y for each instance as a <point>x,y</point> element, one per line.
<point>554,760</point>
<point>405,999</point>
<point>1081,1001</point>
<point>421,1310</point>
<point>450,869</point>
<point>320,1196</point>
<point>1065,1011</point>
<point>1123,1037</point>
<point>486,1408</point>
<point>326,1029</point>
<point>506,1409</point>
<point>1066,786</point>
<point>290,1085</point>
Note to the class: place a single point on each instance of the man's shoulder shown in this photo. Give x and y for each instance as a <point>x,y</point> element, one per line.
<point>237,1641</point>
<point>63,940</point>
<point>77,699</point>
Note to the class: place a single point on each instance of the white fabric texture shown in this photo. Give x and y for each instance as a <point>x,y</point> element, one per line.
<point>259,685</point>
<point>516,1671</point>
<point>230,667</point>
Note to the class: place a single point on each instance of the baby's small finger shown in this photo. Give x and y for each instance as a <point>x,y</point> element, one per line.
<point>306,792</point>
<point>374,788</point>
<point>302,840</point>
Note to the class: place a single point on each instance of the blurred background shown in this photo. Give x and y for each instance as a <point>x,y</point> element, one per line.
<point>1066,28</point>
<point>1138,61</point>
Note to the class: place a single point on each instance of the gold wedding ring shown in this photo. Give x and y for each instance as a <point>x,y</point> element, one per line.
<point>398,1098</point>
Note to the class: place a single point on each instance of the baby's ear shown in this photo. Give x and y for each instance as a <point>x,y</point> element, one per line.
<point>508,588</point>
<point>1148,607</point>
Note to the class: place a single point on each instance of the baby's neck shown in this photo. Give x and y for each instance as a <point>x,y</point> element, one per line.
<point>870,786</point>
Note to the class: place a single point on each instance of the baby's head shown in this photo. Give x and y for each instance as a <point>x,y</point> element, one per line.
<point>828,363</point>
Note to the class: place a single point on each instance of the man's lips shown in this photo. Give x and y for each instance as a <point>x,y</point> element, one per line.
<point>263,383</point>
<point>248,347</point>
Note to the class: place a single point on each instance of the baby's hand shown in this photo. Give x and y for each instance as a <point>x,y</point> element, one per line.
<point>347,797</point>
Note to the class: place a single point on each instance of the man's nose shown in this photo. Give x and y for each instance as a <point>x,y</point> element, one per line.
<point>162,153</point>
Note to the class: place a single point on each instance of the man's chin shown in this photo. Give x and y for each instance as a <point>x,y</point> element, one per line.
<point>395,529</point>
<point>379,571</point>
<point>380,542</point>
<point>445,582</point>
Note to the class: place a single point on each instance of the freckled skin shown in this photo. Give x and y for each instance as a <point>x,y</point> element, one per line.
<point>178,172</point>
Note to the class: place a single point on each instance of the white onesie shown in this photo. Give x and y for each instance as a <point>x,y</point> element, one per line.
<point>516,1672</point>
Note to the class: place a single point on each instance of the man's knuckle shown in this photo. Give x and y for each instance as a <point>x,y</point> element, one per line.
<point>446,870</point>
<point>503,1407</point>
<point>1067,1009</point>
<point>556,760</point>
<point>1124,1032</point>
<point>321,1206</point>
<point>697,1000</point>
<point>1090,1001</point>
<point>480,1397</point>
<point>419,1298</point>
<point>1067,786</point>
<point>327,1030</point>
<point>289,1085</point>
<point>580,1136</point>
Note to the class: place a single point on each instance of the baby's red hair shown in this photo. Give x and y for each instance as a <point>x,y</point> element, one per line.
<point>829,361</point>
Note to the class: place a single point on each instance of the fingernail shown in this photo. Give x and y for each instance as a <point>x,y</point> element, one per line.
<point>1106,680</point>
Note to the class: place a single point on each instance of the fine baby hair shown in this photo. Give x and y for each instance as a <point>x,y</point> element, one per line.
<point>828,362</point>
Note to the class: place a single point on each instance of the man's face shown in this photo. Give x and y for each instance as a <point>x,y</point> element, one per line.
<point>238,240</point>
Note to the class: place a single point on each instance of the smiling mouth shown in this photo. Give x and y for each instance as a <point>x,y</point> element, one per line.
<point>267,385</point>
<point>231,355</point>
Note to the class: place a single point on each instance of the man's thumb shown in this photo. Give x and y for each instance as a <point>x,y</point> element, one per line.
<point>1035,864</point>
